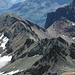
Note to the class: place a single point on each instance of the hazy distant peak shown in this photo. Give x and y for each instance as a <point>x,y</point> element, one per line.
<point>16,1</point>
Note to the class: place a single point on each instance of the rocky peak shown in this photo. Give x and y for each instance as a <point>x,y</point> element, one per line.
<point>67,11</point>
<point>62,21</point>
<point>73,2</point>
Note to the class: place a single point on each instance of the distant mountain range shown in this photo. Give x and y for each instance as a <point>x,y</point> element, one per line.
<point>35,10</point>
<point>5,4</point>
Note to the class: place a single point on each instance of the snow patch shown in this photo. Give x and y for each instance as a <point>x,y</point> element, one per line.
<point>73,24</point>
<point>64,35</point>
<point>2,35</point>
<point>10,73</point>
<point>4,60</point>
<point>36,55</point>
<point>73,38</point>
<point>3,41</point>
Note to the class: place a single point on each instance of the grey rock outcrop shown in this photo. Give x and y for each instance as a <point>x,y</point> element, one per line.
<point>57,55</point>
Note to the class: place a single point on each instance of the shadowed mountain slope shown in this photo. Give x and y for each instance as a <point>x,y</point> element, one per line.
<point>67,11</point>
<point>62,21</point>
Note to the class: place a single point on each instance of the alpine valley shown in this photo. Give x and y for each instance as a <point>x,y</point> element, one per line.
<point>29,49</point>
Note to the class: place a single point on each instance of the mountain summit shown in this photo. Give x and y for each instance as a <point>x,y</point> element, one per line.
<point>62,21</point>
<point>67,11</point>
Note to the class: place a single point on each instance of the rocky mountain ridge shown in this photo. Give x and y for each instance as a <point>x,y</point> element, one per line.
<point>33,50</point>
<point>66,11</point>
<point>25,45</point>
<point>23,35</point>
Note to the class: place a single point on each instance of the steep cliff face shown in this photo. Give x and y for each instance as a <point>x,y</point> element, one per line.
<point>57,58</point>
<point>67,11</point>
<point>19,33</point>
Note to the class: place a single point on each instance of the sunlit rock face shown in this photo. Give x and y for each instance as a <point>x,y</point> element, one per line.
<point>18,37</point>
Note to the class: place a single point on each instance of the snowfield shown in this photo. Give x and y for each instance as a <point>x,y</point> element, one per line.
<point>3,41</point>
<point>5,60</point>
